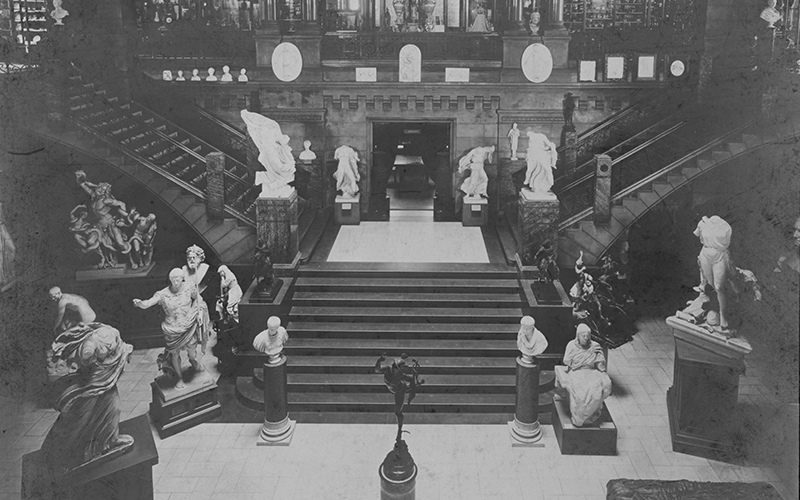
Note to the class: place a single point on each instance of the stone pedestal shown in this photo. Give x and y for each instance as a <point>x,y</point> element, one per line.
<point>475,211</point>
<point>602,188</point>
<point>570,142</point>
<point>557,40</point>
<point>537,221</point>
<point>398,474</point>
<point>347,211</point>
<point>215,185</point>
<point>276,223</point>
<point>173,411</point>
<point>525,430</point>
<point>597,439</point>
<point>126,477</point>
<point>702,401</point>
<point>277,428</point>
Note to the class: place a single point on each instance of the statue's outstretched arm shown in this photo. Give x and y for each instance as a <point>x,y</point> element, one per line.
<point>146,304</point>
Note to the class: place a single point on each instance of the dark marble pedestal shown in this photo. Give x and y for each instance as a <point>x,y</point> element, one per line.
<point>599,438</point>
<point>173,410</point>
<point>126,477</point>
<point>347,211</point>
<point>525,429</point>
<point>276,224</point>
<point>277,429</point>
<point>537,221</point>
<point>701,403</point>
<point>398,474</point>
<point>475,211</point>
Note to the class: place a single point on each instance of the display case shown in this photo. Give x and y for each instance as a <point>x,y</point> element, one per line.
<point>29,21</point>
<point>600,14</point>
<point>410,16</point>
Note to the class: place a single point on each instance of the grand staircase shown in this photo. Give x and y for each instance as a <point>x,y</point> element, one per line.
<point>460,321</point>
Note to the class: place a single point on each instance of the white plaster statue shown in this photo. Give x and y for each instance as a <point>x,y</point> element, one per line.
<point>271,340</point>
<point>513,137</point>
<point>583,378</point>
<point>231,294</point>
<point>346,174</point>
<point>242,78</point>
<point>715,265</point>
<point>58,14</point>
<point>166,75</point>
<point>477,183</point>
<point>180,77</point>
<point>275,155</point>
<point>306,153</point>
<point>226,74</point>
<point>542,158</point>
<point>530,341</point>
<point>196,75</point>
<point>211,77</point>
<point>770,14</point>
<point>480,24</point>
<point>7,253</point>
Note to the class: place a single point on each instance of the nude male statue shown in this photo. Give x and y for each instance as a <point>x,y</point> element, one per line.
<point>78,307</point>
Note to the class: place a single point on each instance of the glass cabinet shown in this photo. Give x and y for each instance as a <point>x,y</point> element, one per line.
<point>410,16</point>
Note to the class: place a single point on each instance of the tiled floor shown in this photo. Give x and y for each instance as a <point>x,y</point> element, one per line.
<point>221,461</point>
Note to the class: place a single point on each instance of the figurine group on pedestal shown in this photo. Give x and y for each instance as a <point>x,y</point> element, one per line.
<point>401,378</point>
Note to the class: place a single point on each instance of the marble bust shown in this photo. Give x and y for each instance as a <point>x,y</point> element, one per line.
<point>226,74</point>
<point>530,341</point>
<point>242,78</point>
<point>180,77</point>
<point>211,77</point>
<point>196,75</point>
<point>306,153</point>
<point>271,340</point>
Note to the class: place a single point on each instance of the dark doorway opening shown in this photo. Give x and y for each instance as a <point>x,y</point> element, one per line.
<point>410,164</point>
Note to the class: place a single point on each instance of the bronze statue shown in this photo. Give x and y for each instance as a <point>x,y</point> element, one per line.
<point>401,379</point>
<point>263,272</point>
<point>568,108</point>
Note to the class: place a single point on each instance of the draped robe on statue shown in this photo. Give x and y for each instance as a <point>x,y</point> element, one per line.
<point>587,386</point>
<point>274,153</point>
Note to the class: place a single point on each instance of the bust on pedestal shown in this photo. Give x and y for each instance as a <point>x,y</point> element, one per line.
<point>524,429</point>
<point>277,429</point>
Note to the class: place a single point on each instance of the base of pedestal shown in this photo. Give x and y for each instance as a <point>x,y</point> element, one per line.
<point>695,443</point>
<point>118,272</point>
<point>599,438</point>
<point>475,211</point>
<point>277,433</point>
<point>173,411</point>
<point>522,434</point>
<point>347,211</point>
<point>398,490</point>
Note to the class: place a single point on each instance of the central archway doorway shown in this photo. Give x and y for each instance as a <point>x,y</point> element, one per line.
<point>410,167</point>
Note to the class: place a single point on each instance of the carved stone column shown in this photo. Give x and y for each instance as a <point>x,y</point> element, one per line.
<point>215,185</point>
<point>276,223</point>
<point>602,188</point>
<point>555,15</point>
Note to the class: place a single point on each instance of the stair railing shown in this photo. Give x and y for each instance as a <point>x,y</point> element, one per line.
<point>221,123</point>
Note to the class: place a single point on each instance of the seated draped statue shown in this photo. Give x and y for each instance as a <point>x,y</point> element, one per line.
<point>542,158</point>
<point>87,428</point>
<point>274,154</point>
<point>346,174</point>
<point>477,183</point>
<point>583,378</point>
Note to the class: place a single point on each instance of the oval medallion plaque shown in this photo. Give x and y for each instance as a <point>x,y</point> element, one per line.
<point>537,63</point>
<point>287,62</point>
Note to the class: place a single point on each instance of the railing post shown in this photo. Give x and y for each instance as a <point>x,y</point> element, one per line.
<point>602,188</point>
<point>215,185</point>
<point>570,149</point>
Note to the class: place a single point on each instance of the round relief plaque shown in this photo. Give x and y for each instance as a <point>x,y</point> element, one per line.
<point>537,63</point>
<point>677,68</point>
<point>287,62</point>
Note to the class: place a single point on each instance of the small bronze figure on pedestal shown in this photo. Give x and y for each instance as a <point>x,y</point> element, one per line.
<point>401,379</point>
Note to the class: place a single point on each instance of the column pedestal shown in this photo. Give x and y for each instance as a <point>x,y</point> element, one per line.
<point>398,474</point>
<point>277,429</point>
<point>537,220</point>
<point>475,211</point>
<point>524,429</point>
<point>276,224</point>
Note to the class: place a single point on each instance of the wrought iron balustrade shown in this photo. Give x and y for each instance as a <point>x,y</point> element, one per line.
<point>434,46</point>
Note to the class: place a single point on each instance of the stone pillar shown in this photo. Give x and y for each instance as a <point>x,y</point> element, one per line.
<point>602,188</point>
<point>555,15</point>
<point>215,185</point>
<point>525,428</point>
<point>570,149</point>
<point>704,91</point>
<point>276,223</point>
<point>556,37</point>
<point>537,221</point>
<point>398,474</point>
<point>277,428</point>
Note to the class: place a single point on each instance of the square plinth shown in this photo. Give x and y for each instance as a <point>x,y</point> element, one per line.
<point>475,211</point>
<point>599,438</point>
<point>347,211</point>
<point>174,410</point>
<point>125,477</point>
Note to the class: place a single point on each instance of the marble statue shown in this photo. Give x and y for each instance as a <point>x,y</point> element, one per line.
<point>770,14</point>
<point>196,75</point>
<point>166,75</point>
<point>714,262</point>
<point>228,303</point>
<point>481,23</point>
<point>271,340</point>
<point>201,275</point>
<point>142,238</point>
<point>180,77</point>
<point>211,77</point>
<point>513,138</point>
<point>242,78</point>
<point>58,13</point>
<point>87,428</point>
<point>568,108</point>
<point>583,378</point>
<point>530,341</point>
<point>346,174</point>
<point>476,184</point>
<point>401,378</point>
<point>182,323</point>
<point>7,254</point>
<point>72,310</point>
<point>542,158</point>
<point>275,155</point>
<point>226,74</point>
<point>306,154</point>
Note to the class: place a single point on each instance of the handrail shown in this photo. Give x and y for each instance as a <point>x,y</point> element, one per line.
<point>652,177</point>
<point>221,123</point>
<point>627,154</point>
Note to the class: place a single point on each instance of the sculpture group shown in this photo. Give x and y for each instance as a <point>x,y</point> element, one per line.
<point>274,154</point>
